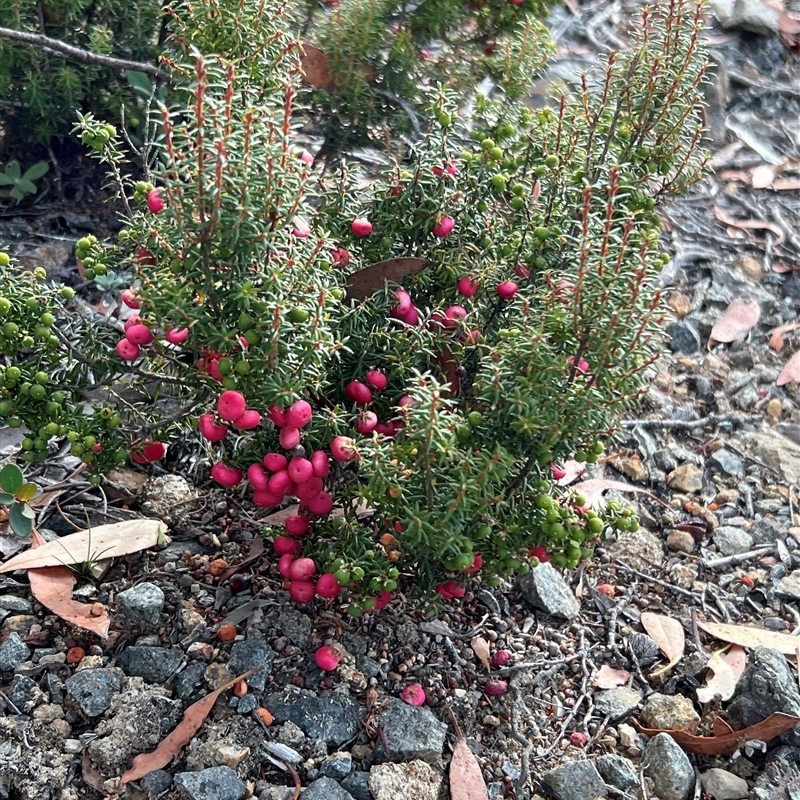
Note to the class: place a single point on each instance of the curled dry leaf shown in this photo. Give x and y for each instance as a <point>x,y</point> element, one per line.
<point>726,669</point>
<point>748,636</point>
<point>742,314</point>
<point>668,634</point>
<point>609,678</point>
<point>727,742</point>
<point>748,224</point>
<point>791,371</point>
<point>367,281</point>
<point>573,469</point>
<point>776,335</point>
<point>593,491</point>
<point>180,736</point>
<point>481,649</point>
<point>466,776</point>
<point>316,67</point>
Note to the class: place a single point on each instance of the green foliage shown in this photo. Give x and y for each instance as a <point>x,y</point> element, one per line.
<point>22,183</point>
<point>15,494</point>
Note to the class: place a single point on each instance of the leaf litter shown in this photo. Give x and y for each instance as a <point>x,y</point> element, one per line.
<point>726,667</point>
<point>750,637</point>
<point>668,634</point>
<point>466,776</point>
<point>737,321</point>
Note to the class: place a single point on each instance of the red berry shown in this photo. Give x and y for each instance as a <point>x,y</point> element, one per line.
<point>147,452</point>
<point>303,569</point>
<point>477,564</point>
<point>444,227</point>
<point>265,499</point>
<point>296,525</point>
<point>328,586</point>
<point>309,489</point>
<point>450,590</point>
<point>127,350</point>
<point>413,694</point>
<point>384,429</point>
<point>139,334</point>
<point>144,258</point>
<point>300,228</point>
<point>340,257</point>
<point>129,298</point>
<point>320,505</point>
<point>506,290</point>
<point>500,658</point>
<point>521,271</point>
<point>453,315</point>
<point>327,658</point>
<point>258,477</point>
<point>405,400</point>
<point>300,469</point>
<point>376,379</point>
<point>411,317</point>
<point>130,322</point>
<point>359,393</point>
<point>155,202</point>
<point>467,286</point>
<point>289,438</point>
<point>225,475</point>
<point>361,226</point>
<point>285,544</point>
<point>305,157</point>
<point>382,600</point>
<point>176,335</point>
<point>578,739</point>
<point>213,370</point>
<point>540,552</point>
<point>302,591</point>
<point>343,448</point>
<point>284,562</point>
<point>279,483</point>
<point>557,472</point>
<point>277,415</point>
<point>275,462</point>
<point>495,688</point>
<point>249,420</point>
<point>231,405</point>
<point>298,415</point>
<point>404,304</point>
<point>366,422</point>
<point>321,463</point>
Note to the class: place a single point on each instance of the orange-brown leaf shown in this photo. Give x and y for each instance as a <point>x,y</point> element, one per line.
<point>725,744</point>
<point>481,649</point>
<point>367,281</point>
<point>466,777</point>
<point>790,371</point>
<point>748,636</point>
<point>180,736</point>
<point>742,314</point>
<point>52,587</point>
<point>609,678</point>
<point>316,67</point>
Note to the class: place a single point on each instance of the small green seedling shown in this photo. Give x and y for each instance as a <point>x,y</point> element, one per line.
<point>22,184</point>
<point>15,494</point>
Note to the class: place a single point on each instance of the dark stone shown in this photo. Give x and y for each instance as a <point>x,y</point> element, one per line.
<point>19,605</point>
<point>780,772</point>
<point>326,789</point>
<point>21,692</point>
<point>683,337</point>
<point>295,626</point>
<point>337,766</point>
<point>665,763</point>
<point>13,651</point>
<point>142,603</point>
<point>154,664</point>
<point>249,654</point>
<point>370,667</point>
<point>357,784</point>
<point>157,782</point>
<point>575,780</point>
<point>190,681</point>
<point>544,588</point>
<point>247,705</point>
<point>334,719</point>
<point>55,688</point>
<point>617,771</point>
<point>92,689</point>
<point>215,783</point>
<point>411,732</point>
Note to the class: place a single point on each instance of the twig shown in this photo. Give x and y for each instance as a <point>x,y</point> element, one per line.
<point>645,576</point>
<point>688,424</point>
<point>696,635</point>
<point>737,558</point>
<point>78,54</point>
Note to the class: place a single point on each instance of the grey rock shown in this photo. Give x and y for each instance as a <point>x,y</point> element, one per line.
<point>169,497</point>
<point>9,602</point>
<point>729,462</point>
<point>296,626</point>
<point>272,792</point>
<point>546,589</point>
<point>190,681</point>
<point>686,478</point>
<point>142,603</point>
<point>337,766</point>
<point>731,541</point>
<point>575,780</point>
<point>766,531</point>
<point>487,599</point>
<point>769,505</point>
<point>753,16</point>
<point>640,549</point>
<point>157,782</point>
<point>13,651</point>
<point>616,703</point>
<point>357,784</point>
<point>413,780</point>
<point>683,337</point>
<point>668,767</point>
<point>777,451</point>
<point>617,771</point>
<point>673,712</point>
<point>55,688</point>
<point>326,789</point>
<point>214,783</point>
<point>247,705</point>
<point>175,550</point>
<point>23,692</point>
<point>93,689</point>
<point>789,586</point>
<point>724,785</point>
<point>645,649</point>
<point>250,654</point>
<point>411,732</point>
<point>767,685</point>
<point>154,664</point>
<point>781,770</point>
<point>334,719</point>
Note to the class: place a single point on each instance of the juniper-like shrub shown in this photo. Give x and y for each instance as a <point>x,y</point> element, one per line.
<point>411,361</point>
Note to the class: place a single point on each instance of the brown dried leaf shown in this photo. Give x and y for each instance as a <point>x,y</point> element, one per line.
<point>593,491</point>
<point>573,469</point>
<point>680,303</point>
<point>316,67</point>
<point>748,636</point>
<point>774,725</point>
<point>668,634</point>
<point>367,281</point>
<point>726,669</point>
<point>105,541</point>
<point>790,371</point>
<point>787,24</point>
<point>776,335</point>
<point>466,776</point>
<point>742,314</point>
<point>609,678</point>
<point>181,735</point>
<point>52,587</point>
<point>91,777</point>
<point>481,649</point>
<point>749,224</point>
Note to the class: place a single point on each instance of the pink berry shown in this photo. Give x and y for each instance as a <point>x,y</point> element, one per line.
<point>144,258</point>
<point>376,379</point>
<point>213,370</point>
<point>340,257</point>
<point>321,463</point>
<point>129,298</point>
<point>231,405</point>
<point>366,422</point>
<point>521,271</point>
<point>300,469</point>
<point>327,586</point>
<point>411,317</point>
<point>477,565</point>
<point>382,600</point>
<point>298,415</point>
<point>413,694</point>
<point>210,429</point>
<point>384,429</point>
<point>453,315</point>
<point>148,452</point>
<point>578,739</point>
<point>302,591</point>
<point>296,525</point>
<point>444,227</point>
<point>405,400</point>
<point>225,475</point>
<point>467,286</point>
<point>309,489</point>
<point>303,569</point>
<point>557,472</point>
<point>176,335</point>
<point>300,228</point>
<point>289,438</point>
<point>155,202</point>
<point>506,290</point>
<point>279,483</point>
<point>258,477</point>
<point>284,562</point>
<point>139,334</point>
<point>305,157</point>
<point>249,420</point>
<point>285,544</point>
<point>127,350</point>
<point>495,688</point>
<point>320,505</point>
<point>275,462</point>
<point>359,393</point>
<point>516,2</point>
<point>500,658</point>
<point>449,170</point>
<point>404,304</point>
<point>277,415</point>
<point>130,322</point>
<point>343,448</point>
<point>361,226</point>
<point>471,338</point>
<point>327,658</point>
<point>265,499</point>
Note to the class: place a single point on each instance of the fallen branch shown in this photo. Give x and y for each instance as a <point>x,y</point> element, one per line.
<point>688,424</point>
<point>78,54</point>
<point>737,558</point>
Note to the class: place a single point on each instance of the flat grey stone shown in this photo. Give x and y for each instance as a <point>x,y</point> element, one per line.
<point>668,767</point>
<point>337,766</point>
<point>22,693</point>
<point>789,586</point>
<point>617,771</point>
<point>731,541</point>
<point>411,732</point>
<point>296,626</point>
<point>575,780</point>
<point>154,664</point>
<point>142,603</point>
<point>19,605</point>
<point>190,681</point>
<point>411,780</point>
<point>214,783</point>
<point>93,689</point>
<point>157,782</point>
<point>247,705</point>
<point>13,651</point>
<point>546,589</point>
<point>326,789</point>
<point>724,785</point>
<point>334,719</point>
<point>249,654</point>
<point>357,783</point>
<point>729,462</point>
<point>616,703</point>
<point>683,337</point>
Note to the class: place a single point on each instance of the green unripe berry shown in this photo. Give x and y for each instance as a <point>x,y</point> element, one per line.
<point>27,342</point>
<point>14,422</point>
<point>10,329</point>
<point>77,449</point>
<point>225,366</point>
<point>67,292</point>
<point>496,153</point>
<point>243,367</point>
<point>41,377</point>
<point>595,525</point>
<point>487,144</point>
<point>474,418</point>
<point>357,573</point>
<point>342,576</point>
<point>27,444</point>
<point>499,183</point>
<point>551,161</point>
<point>298,315</point>
<point>51,429</point>
<point>541,232</point>
<point>230,382</point>
<point>517,203</point>
<point>5,259</point>
<point>38,392</point>
<point>95,480</point>
<point>354,610</point>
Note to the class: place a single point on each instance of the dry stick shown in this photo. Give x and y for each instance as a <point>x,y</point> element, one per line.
<point>650,578</point>
<point>688,424</point>
<point>78,54</point>
<point>737,558</point>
